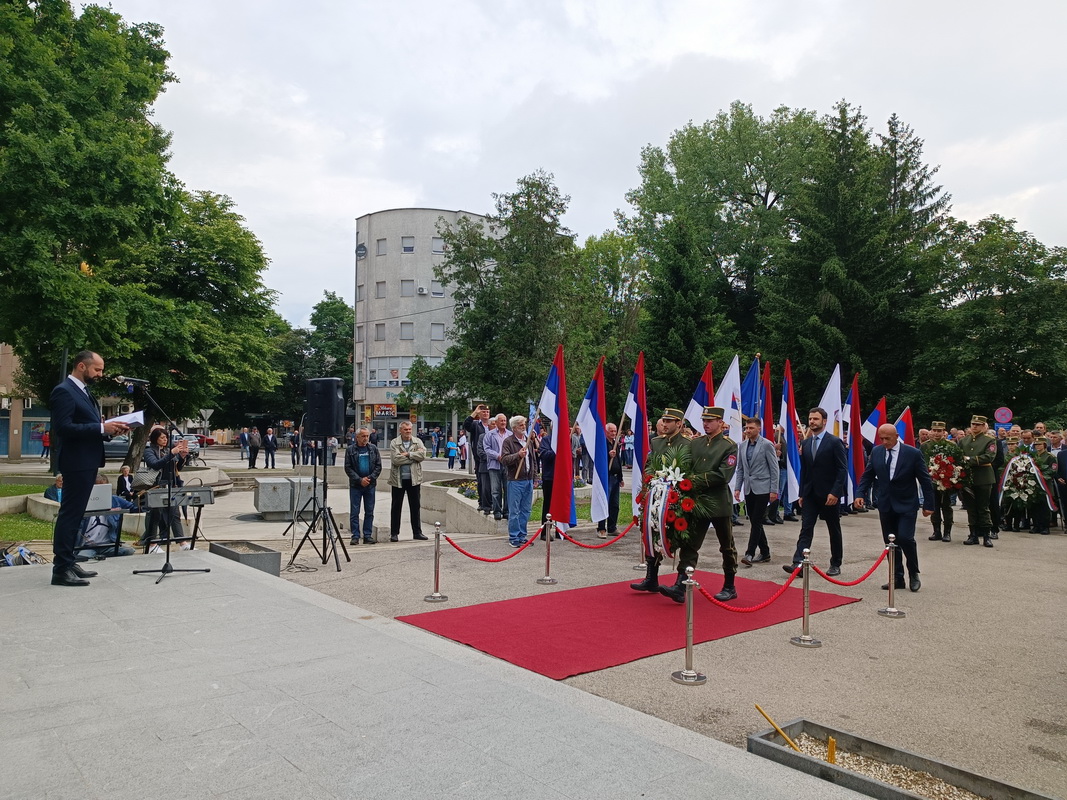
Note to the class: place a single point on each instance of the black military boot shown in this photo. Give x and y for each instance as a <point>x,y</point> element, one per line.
<point>948,534</point>
<point>936,536</point>
<point>987,535</point>
<point>651,581</point>
<point>972,537</point>
<point>676,592</point>
<point>728,591</point>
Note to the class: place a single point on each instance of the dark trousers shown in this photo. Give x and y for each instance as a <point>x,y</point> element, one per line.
<point>414,495</point>
<point>976,500</point>
<point>724,531</point>
<point>268,459</point>
<point>757,537</point>
<point>612,522</point>
<point>942,517</point>
<point>485,490</point>
<point>77,486</point>
<point>253,456</point>
<point>811,511</point>
<point>903,527</point>
<point>361,495</point>
<point>546,498</point>
<point>294,453</point>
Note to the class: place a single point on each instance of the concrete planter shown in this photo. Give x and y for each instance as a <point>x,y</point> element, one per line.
<point>256,556</point>
<point>769,744</point>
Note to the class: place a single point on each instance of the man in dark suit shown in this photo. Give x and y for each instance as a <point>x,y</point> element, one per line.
<point>78,436</point>
<point>894,468</point>
<point>270,447</point>
<point>823,473</point>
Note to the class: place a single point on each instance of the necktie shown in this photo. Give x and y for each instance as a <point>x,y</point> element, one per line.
<point>889,462</point>
<point>814,446</point>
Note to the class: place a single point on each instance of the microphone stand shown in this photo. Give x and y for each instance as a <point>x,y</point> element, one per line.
<point>167,567</point>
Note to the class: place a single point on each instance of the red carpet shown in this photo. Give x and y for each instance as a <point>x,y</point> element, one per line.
<point>569,632</point>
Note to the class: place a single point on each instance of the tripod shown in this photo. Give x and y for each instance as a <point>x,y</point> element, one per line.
<point>324,514</point>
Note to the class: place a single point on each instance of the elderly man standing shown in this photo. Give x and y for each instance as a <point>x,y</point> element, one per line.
<point>518,459</point>
<point>363,465</point>
<point>476,427</point>
<point>897,472</point>
<point>405,476</point>
<point>492,445</point>
<point>757,479</point>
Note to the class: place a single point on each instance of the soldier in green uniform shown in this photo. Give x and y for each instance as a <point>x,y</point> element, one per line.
<point>714,460</point>
<point>939,444</point>
<point>979,450</point>
<point>669,428</point>
<point>1039,510</point>
<point>1011,508</point>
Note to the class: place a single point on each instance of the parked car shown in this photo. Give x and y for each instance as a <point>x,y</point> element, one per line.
<point>117,448</point>
<point>205,441</point>
<point>192,439</point>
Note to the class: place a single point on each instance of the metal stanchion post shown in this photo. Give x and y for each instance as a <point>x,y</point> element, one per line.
<point>689,676</point>
<point>436,597</point>
<point>890,611</point>
<point>806,639</point>
<point>550,534</point>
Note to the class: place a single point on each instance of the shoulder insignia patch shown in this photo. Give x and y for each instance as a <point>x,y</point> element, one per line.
<point>731,460</point>
<point>992,447</point>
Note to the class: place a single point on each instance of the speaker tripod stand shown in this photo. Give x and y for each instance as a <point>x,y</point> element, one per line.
<point>331,538</point>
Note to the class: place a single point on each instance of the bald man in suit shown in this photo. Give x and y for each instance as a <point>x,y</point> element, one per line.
<point>78,437</point>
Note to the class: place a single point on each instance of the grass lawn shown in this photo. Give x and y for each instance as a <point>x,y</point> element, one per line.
<point>15,489</point>
<point>582,508</point>
<point>21,527</point>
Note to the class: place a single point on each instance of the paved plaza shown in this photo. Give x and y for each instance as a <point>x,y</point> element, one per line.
<point>235,683</point>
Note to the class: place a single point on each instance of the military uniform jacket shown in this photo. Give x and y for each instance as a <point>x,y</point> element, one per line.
<point>714,462</point>
<point>659,447</point>
<point>978,454</point>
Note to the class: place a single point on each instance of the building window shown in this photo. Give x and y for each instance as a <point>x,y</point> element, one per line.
<point>359,373</point>
<point>379,332</point>
<point>437,289</point>
<point>27,403</point>
<point>381,247</point>
<point>407,244</point>
<point>437,331</point>
<point>379,289</point>
<point>407,330</point>
<point>407,288</point>
<point>359,333</point>
<point>437,244</point>
<point>359,293</point>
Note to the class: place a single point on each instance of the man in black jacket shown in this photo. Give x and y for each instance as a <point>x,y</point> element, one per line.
<point>823,474</point>
<point>363,465</point>
<point>477,426</point>
<point>610,526</point>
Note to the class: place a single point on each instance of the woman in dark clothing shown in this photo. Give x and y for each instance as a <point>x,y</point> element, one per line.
<point>168,460</point>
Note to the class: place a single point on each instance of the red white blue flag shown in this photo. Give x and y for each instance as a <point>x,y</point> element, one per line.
<point>637,410</point>
<point>554,406</point>
<point>703,396</point>
<point>788,420</point>
<point>591,419</point>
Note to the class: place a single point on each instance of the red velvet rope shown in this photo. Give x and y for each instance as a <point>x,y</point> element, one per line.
<point>750,609</point>
<point>594,546</point>
<point>859,580</point>
<point>529,542</point>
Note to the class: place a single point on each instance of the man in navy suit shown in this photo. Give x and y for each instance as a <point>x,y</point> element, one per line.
<point>78,437</point>
<point>823,473</point>
<point>894,468</point>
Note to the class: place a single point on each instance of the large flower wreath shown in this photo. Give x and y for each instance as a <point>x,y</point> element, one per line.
<point>946,466</point>
<point>669,503</point>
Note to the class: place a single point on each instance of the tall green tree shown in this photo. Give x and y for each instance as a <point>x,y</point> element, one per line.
<point>519,294</point>
<point>331,342</point>
<point>992,336</point>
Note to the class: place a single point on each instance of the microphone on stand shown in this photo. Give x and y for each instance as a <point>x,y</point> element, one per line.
<point>138,381</point>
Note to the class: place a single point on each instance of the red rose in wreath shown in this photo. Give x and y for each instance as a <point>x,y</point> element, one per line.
<point>685,484</point>
<point>688,504</point>
<point>672,496</point>
<point>670,516</point>
<point>680,524</point>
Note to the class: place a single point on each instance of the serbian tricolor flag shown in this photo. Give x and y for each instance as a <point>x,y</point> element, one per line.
<point>554,406</point>
<point>870,426</point>
<point>905,427</point>
<point>766,409</point>
<point>750,394</point>
<point>788,420</point>
<point>856,460</point>
<point>637,410</point>
<point>703,396</point>
<point>591,418</point>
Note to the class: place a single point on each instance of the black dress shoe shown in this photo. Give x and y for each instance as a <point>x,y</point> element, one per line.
<point>394,538</point>
<point>420,536</point>
<point>727,593</point>
<point>769,521</point>
<point>68,578</point>
<point>789,568</point>
<point>897,585</point>
<point>915,583</point>
<point>833,571</point>
<point>790,517</point>
<point>82,573</point>
<point>936,537</point>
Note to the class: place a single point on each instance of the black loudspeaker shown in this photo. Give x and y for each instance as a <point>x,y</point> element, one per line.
<point>325,407</point>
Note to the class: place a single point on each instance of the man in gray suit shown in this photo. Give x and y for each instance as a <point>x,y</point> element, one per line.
<point>757,477</point>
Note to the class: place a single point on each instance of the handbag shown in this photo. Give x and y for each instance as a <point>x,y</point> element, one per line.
<point>144,478</point>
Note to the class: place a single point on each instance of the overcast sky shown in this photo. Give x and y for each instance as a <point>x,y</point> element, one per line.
<point>311,114</point>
